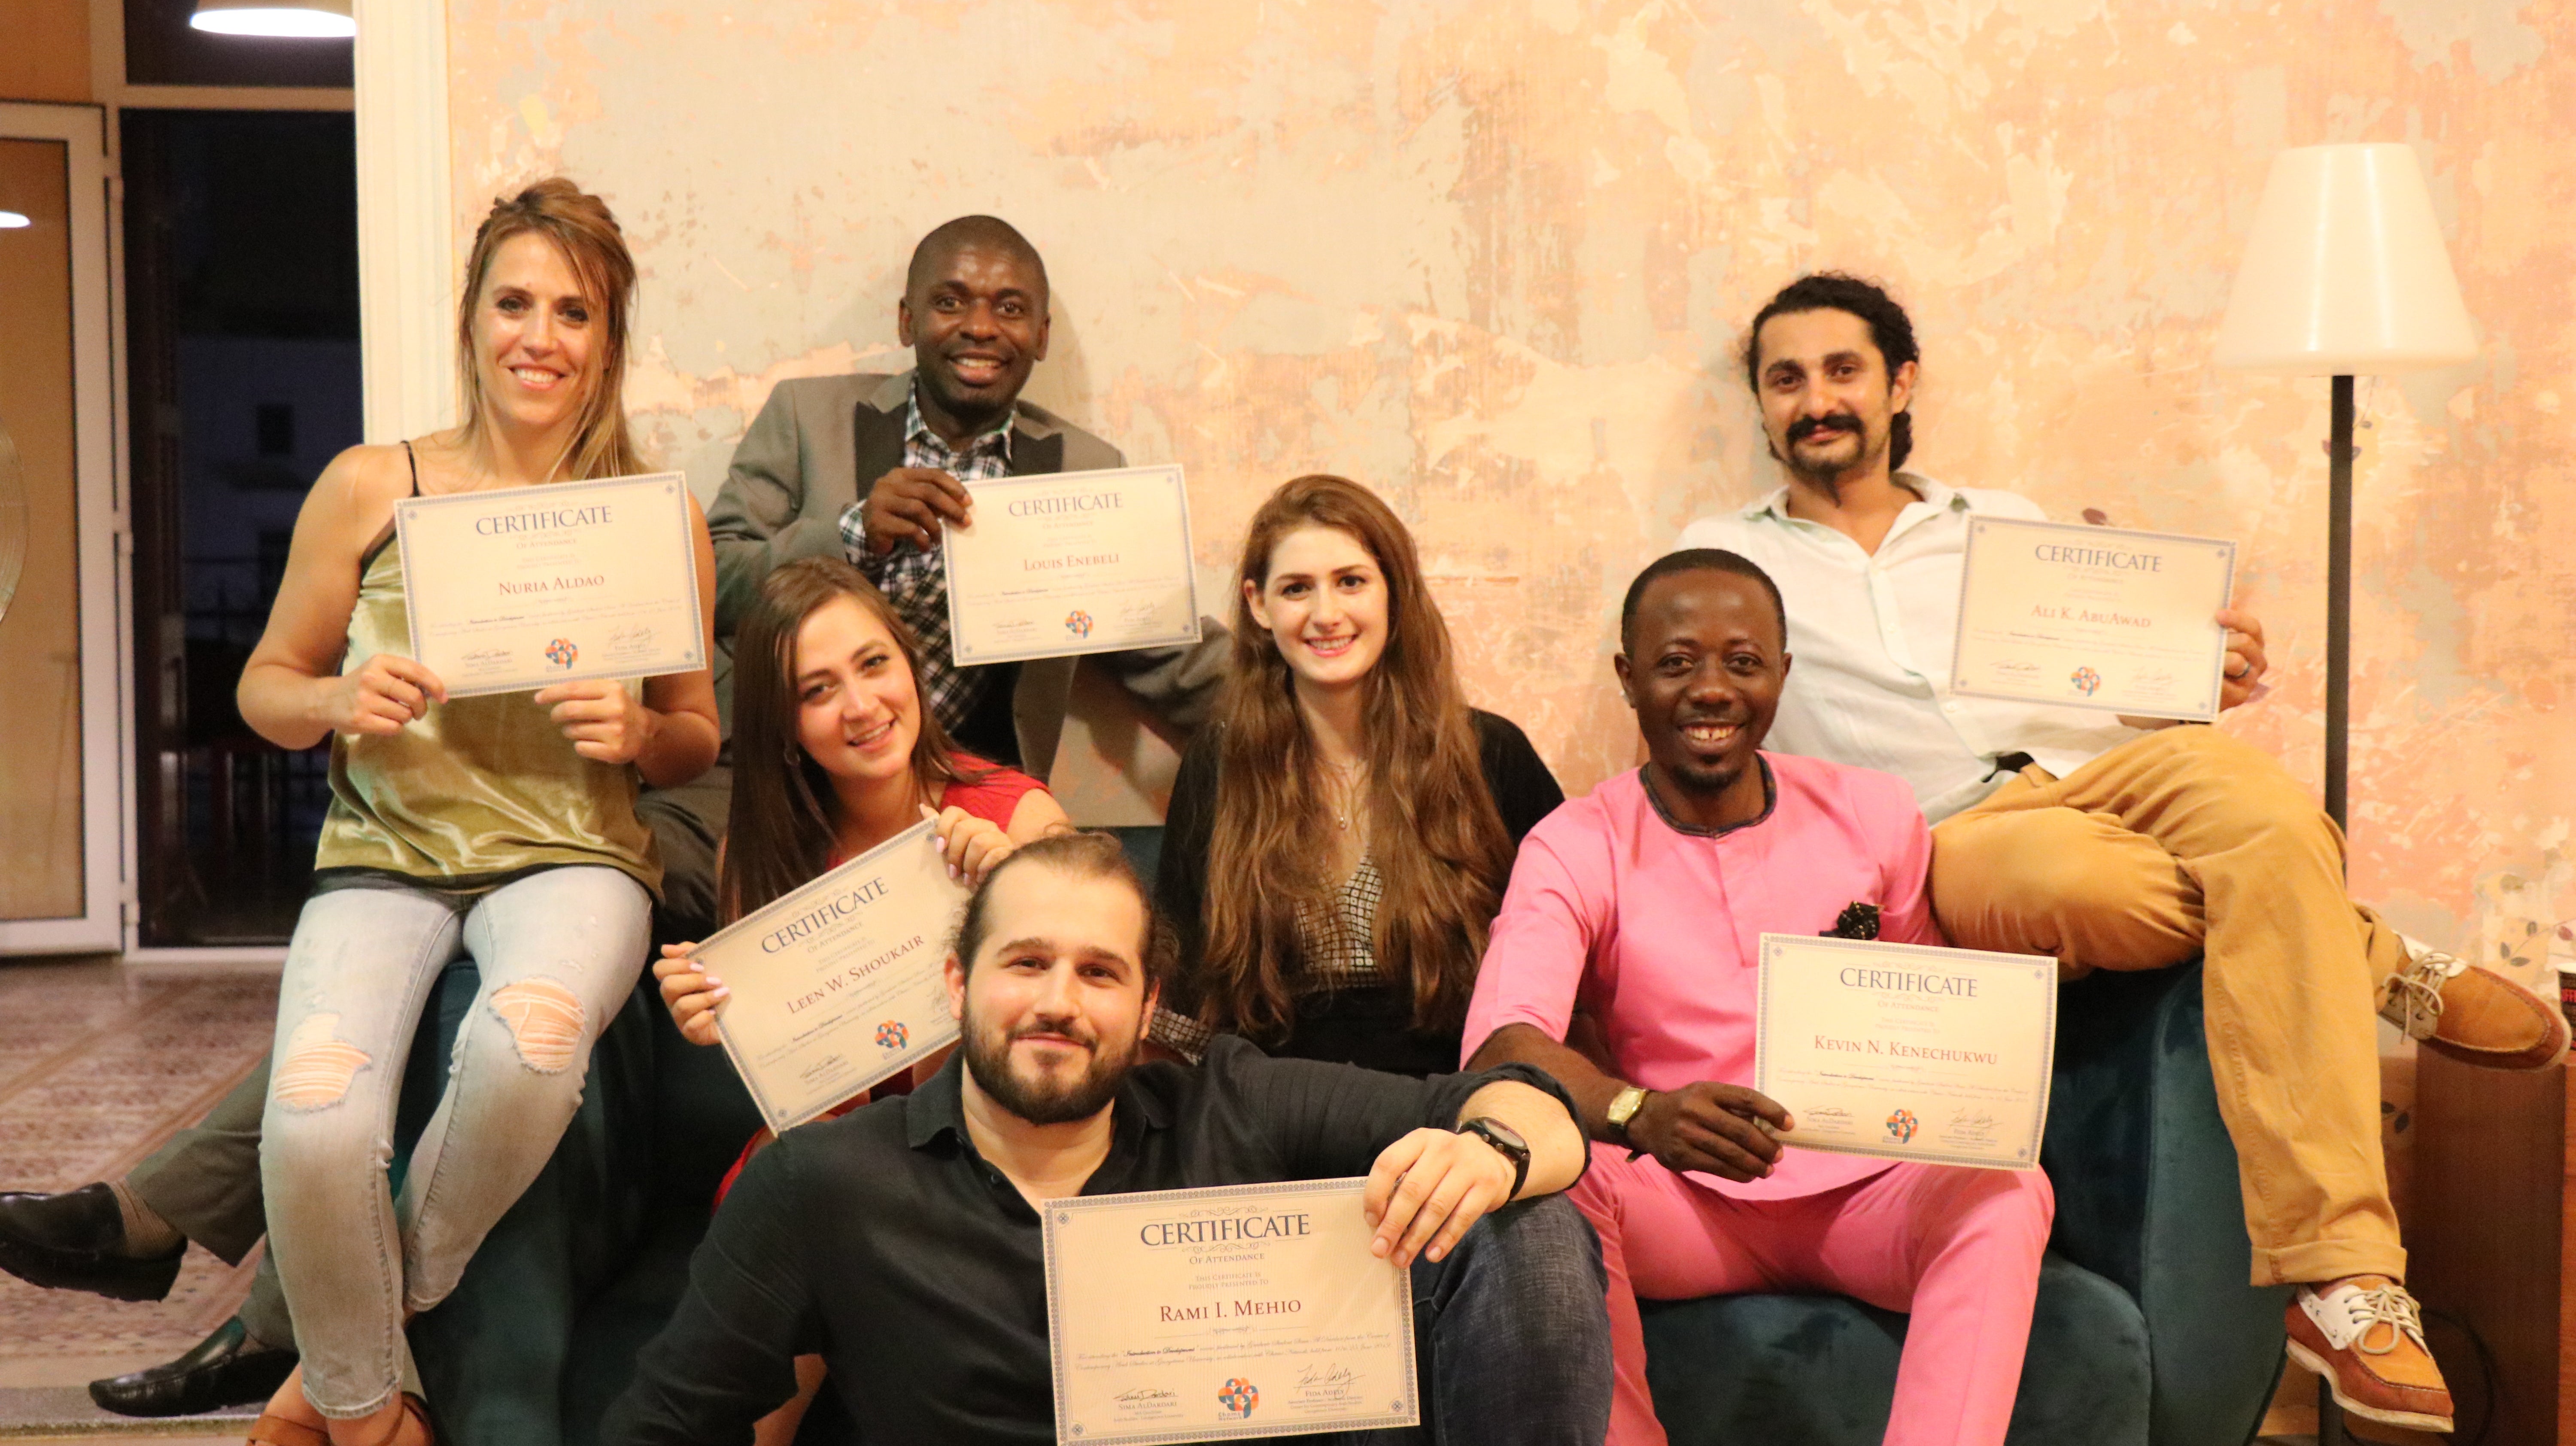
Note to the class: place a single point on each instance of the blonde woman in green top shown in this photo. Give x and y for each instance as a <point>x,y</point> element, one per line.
<point>502,826</point>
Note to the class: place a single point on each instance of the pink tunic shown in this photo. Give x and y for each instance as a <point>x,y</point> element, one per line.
<point>1657,932</point>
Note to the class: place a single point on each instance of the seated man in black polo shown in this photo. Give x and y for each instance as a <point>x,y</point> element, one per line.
<point>902,1241</point>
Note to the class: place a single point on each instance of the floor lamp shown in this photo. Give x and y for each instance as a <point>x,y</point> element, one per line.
<point>2345,275</point>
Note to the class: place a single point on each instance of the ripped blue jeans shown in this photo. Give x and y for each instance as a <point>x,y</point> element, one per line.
<point>558,951</point>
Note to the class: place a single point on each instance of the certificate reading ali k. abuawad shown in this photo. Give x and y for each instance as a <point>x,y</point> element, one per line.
<point>517,587</point>
<point>2092,617</point>
<point>1073,562</point>
<point>1905,1051</point>
<point>1207,1315</point>
<point>841,983</point>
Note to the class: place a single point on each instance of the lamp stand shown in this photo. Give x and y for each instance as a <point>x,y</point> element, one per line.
<point>2330,1430</point>
<point>2338,598</point>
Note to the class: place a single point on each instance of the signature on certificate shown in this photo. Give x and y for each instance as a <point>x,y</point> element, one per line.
<point>1330,1381</point>
<point>1143,1393</point>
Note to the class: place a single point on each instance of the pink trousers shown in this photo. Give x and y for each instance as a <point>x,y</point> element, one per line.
<point>1958,1249</point>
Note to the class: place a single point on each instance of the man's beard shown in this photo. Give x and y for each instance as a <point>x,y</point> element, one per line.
<point>1820,472</point>
<point>988,1059</point>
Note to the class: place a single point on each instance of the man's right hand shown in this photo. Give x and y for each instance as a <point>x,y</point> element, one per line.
<point>1709,1127</point>
<point>908,504</point>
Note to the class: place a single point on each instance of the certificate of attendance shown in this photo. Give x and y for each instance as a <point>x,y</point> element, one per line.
<point>1212,1314</point>
<point>2093,617</point>
<point>517,587</point>
<point>841,983</point>
<point>1907,1052</point>
<point>1074,562</point>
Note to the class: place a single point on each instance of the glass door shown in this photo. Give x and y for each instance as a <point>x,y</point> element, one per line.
<point>60,508</point>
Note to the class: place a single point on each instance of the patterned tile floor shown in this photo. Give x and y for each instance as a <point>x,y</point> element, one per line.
<point>99,1064</point>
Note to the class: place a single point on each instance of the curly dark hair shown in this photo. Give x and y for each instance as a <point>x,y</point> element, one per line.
<point>1890,329</point>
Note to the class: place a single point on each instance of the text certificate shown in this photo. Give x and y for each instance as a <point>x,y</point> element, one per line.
<point>519,587</point>
<point>2093,617</point>
<point>1907,1052</point>
<point>1076,562</point>
<point>1205,1315</point>
<point>841,983</point>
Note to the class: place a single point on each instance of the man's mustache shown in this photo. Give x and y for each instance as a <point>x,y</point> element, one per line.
<point>1806,427</point>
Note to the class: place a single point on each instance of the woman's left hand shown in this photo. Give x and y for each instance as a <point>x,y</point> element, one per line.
<point>606,722</point>
<point>973,845</point>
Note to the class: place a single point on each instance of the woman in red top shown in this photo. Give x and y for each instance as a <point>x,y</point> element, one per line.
<point>833,755</point>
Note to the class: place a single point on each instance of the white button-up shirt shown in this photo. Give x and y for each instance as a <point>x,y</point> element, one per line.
<point>1871,637</point>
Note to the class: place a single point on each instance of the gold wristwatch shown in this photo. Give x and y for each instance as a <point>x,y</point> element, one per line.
<point>1623,1108</point>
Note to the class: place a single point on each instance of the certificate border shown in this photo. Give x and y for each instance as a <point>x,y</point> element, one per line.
<point>679,481</point>
<point>1978,525</point>
<point>1189,549</point>
<point>1882,948</point>
<point>1170,1437</point>
<point>780,1121</point>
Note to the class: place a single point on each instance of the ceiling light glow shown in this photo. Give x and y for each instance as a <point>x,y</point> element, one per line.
<point>11,221</point>
<point>278,19</point>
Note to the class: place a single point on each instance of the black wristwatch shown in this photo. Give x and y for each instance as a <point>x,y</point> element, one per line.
<point>1506,1140</point>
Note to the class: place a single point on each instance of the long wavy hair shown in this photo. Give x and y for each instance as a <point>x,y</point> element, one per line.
<point>1435,834</point>
<point>779,827</point>
<point>581,228</point>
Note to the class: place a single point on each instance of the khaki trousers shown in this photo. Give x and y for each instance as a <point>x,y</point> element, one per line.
<point>2189,842</point>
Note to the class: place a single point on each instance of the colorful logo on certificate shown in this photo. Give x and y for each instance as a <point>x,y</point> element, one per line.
<point>561,652</point>
<point>892,1034</point>
<point>2086,681</point>
<point>1239,1396</point>
<point>1078,623</point>
<point>1901,1126</point>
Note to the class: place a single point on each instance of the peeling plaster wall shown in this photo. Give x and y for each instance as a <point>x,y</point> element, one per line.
<point>1493,259</point>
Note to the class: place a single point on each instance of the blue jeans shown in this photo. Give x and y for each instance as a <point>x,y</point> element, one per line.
<point>1512,1337</point>
<point>558,952</point>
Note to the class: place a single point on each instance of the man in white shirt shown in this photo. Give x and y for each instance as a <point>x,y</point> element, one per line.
<point>2127,844</point>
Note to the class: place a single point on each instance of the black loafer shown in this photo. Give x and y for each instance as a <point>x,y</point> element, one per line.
<point>76,1241</point>
<point>225,1369</point>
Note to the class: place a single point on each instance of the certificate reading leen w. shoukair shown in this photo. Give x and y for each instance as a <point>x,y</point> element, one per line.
<point>519,587</point>
<point>1206,1315</point>
<point>840,984</point>
<point>1905,1051</point>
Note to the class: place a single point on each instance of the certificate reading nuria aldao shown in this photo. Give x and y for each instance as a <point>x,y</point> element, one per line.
<point>518,587</point>
<point>1907,1052</point>
<point>1206,1315</point>
<point>2092,617</point>
<point>840,984</point>
<point>1073,562</point>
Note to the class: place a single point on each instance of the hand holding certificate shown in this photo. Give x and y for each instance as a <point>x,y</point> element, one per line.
<point>1203,1315</point>
<point>1076,562</point>
<point>1907,1052</point>
<point>2093,617</point>
<point>521,587</point>
<point>840,984</point>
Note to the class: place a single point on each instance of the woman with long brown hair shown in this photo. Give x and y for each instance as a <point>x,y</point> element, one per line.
<point>833,755</point>
<point>1339,840</point>
<point>500,826</point>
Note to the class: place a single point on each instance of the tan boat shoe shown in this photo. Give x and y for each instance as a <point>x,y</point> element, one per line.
<point>2473,1015</point>
<point>2364,1336</point>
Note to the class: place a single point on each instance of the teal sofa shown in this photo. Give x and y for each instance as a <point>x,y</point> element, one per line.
<point>2145,1332</point>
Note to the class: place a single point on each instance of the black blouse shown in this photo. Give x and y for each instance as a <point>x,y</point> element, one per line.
<point>1367,1025</point>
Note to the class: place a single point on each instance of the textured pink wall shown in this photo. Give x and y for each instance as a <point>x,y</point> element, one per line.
<point>1493,260</point>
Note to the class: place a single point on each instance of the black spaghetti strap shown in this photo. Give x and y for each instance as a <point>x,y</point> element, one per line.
<point>414,459</point>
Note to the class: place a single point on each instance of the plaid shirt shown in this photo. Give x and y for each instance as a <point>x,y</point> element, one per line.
<point>915,581</point>
<point>1339,953</point>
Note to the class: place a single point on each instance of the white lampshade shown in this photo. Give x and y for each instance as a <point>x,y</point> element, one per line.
<point>2345,274</point>
<point>291,19</point>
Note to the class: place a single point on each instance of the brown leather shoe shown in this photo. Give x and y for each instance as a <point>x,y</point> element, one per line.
<point>2473,1015</point>
<point>2364,1337</point>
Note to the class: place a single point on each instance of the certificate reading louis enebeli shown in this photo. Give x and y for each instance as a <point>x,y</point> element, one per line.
<point>2092,617</point>
<point>1907,1052</point>
<point>1206,1315</point>
<point>840,984</point>
<point>518,587</point>
<point>1075,562</point>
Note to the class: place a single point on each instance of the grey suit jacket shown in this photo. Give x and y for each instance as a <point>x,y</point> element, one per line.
<point>818,440</point>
